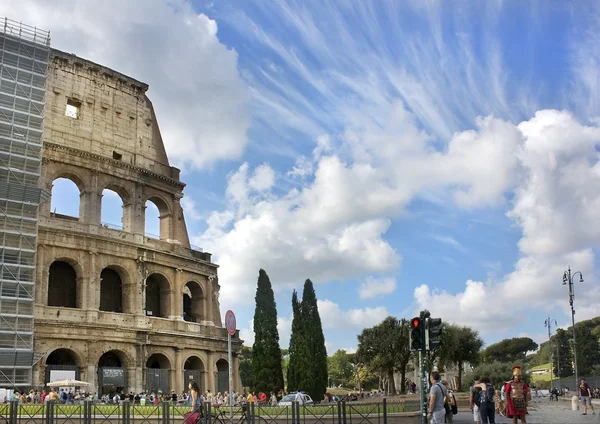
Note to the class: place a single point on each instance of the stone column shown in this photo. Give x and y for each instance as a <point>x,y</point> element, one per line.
<point>91,377</point>
<point>177,303</point>
<point>237,383</point>
<point>41,277</point>
<point>138,212</point>
<point>90,203</point>
<point>134,379</point>
<point>91,281</point>
<point>179,370</point>
<point>210,372</point>
<point>208,316</point>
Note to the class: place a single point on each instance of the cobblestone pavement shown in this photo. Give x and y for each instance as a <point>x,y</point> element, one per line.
<point>544,412</point>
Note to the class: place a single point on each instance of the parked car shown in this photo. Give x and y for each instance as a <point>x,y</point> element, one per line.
<point>289,398</point>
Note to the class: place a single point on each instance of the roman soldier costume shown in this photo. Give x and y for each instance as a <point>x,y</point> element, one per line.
<point>517,396</point>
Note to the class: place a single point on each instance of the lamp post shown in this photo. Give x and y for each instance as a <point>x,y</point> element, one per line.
<point>548,324</point>
<point>568,279</point>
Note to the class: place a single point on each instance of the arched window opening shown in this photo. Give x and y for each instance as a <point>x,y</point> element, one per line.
<point>111,291</point>
<point>157,296</point>
<point>223,375</point>
<point>112,374</point>
<point>157,373</point>
<point>61,357</point>
<point>60,365</point>
<point>152,220</point>
<point>65,201</point>
<point>110,359</point>
<point>112,209</point>
<point>193,370</point>
<point>193,302</point>
<point>62,285</point>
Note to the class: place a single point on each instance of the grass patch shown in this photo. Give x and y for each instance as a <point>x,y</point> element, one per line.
<point>364,408</point>
<point>541,367</point>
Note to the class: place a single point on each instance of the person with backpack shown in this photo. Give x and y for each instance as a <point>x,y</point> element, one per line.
<point>474,400</point>
<point>437,400</point>
<point>450,405</point>
<point>487,404</point>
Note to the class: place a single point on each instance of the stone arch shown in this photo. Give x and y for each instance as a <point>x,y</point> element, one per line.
<point>66,182</point>
<point>158,368</point>
<point>194,302</point>
<point>164,216</point>
<point>64,283</point>
<point>193,370</point>
<point>111,290</point>
<point>222,369</point>
<point>158,296</point>
<point>112,371</point>
<point>62,363</point>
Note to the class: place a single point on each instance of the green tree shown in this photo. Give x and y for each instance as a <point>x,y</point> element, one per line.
<point>384,348</point>
<point>509,350</point>
<point>266,353</point>
<point>339,368</point>
<point>316,342</point>
<point>562,344</point>
<point>299,365</point>
<point>466,347</point>
<point>245,361</point>
<point>588,350</point>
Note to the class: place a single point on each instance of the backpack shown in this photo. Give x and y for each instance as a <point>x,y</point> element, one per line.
<point>488,394</point>
<point>453,405</point>
<point>477,396</point>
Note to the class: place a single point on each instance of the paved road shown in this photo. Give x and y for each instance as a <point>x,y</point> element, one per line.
<point>544,412</point>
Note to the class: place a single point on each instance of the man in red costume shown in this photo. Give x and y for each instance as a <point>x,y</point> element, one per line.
<point>517,396</point>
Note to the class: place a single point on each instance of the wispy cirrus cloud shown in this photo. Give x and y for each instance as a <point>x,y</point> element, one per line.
<point>450,241</point>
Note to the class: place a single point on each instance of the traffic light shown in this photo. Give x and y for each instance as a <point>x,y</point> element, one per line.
<point>416,334</point>
<point>433,331</point>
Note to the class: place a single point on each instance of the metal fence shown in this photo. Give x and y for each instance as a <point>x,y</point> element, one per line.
<point>88,412</point>
<point>593,381</point>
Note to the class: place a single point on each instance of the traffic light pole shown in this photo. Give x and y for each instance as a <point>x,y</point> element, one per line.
<point>424,403</point>
<point>423,370</point>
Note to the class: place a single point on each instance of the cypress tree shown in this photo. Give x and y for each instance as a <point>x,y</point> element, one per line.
<point>266,353</point>
<point>298,372</point>
<point>316,342</point>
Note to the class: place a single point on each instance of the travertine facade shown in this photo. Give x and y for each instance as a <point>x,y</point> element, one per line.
<point>120,309</point>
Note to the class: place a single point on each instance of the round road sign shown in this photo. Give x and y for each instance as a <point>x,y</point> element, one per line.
<point>230,322</point>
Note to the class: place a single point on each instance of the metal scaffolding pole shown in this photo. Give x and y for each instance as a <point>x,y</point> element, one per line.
<point>24,55</point>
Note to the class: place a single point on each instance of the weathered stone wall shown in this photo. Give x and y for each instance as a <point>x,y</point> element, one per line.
<point>114,143</point>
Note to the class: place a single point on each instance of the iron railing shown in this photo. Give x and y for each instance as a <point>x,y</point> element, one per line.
<point>89,412</point>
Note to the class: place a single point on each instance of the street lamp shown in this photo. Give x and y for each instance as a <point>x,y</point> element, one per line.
<point>548,324</point>
<point>568,278</point>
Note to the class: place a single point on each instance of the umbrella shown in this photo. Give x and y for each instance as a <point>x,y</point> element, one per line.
<point>68,383</point>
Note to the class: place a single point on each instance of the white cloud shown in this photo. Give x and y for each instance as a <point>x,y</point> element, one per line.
<point>313,231</point>
<point>303,168</point>
<point>247,334</point>
<point>191,209</point>
<point>373,287</point>
<point>450,241</point>
<point>332,316</point>
<point>284,327</point>
<point>194,81</point>
<point>555,204</point>
<point>263,178</point>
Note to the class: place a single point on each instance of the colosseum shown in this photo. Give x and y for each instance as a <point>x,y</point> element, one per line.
<point>113,306</point>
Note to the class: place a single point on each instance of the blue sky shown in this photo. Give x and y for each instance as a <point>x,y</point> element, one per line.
<point>400,154</point>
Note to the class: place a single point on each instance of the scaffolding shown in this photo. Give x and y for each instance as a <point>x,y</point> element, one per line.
<point>24,55</point>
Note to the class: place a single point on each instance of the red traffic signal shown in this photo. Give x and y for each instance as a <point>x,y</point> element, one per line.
<point>416,334</point>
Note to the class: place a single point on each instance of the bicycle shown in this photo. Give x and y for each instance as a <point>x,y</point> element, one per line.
<point>223,417</point>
